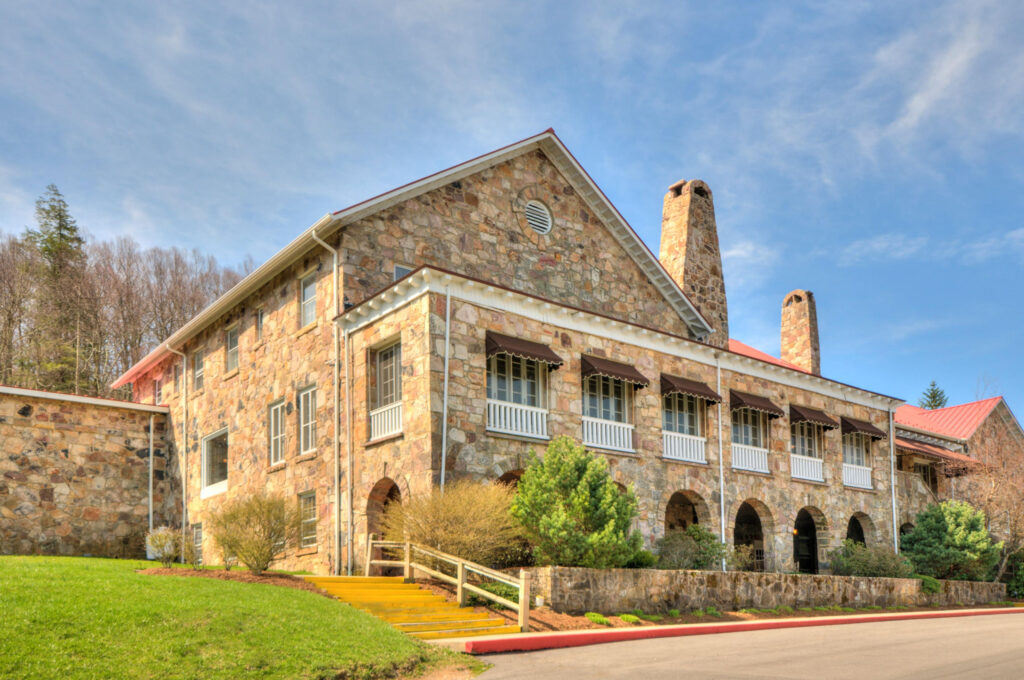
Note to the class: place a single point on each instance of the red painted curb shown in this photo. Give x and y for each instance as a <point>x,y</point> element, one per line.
<point>527,642</point>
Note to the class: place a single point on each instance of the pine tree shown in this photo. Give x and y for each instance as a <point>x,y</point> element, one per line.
<point>933,397</point>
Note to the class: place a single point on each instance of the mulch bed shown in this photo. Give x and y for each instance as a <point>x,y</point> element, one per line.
<point>285,580</point>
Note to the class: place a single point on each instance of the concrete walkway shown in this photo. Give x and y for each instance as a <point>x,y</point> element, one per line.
<point>990,647</point>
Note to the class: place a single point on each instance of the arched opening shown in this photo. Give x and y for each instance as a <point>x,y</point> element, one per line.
<point>748,531</point>
<point>855,531</point>
<point>384,493</point>
<point>511,478</point>
<point>805,543</point>
<point>683,509</point>
<point>906,528</point>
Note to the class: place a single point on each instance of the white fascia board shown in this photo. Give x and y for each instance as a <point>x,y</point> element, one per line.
<point>917,434</point>
<point>78,399</point>
<point>428,280</point>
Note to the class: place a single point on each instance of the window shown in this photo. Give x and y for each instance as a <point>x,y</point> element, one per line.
<point>307,419</point>
<point>215,462</point>
<point>855,449</point>
<point>607,398</point>
<point>158,391</point>
<point>259,324</point>
<point>307,512</point>
<point>401,271</point>
<point>197,370</point>
<point>684,414</point>
<point>275,432</point>
<point>389,375</point>
<point>516,380</point>
<point>197,542</point>
<point>231,347</point>
<point>750,428</point>
<point>307,301</point>
<point>177,377</point>
<point>806,439</point>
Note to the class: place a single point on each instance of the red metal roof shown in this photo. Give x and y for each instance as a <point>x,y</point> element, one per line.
<point>958,422</point>
<point>748,351</point>
<point>932,450</point>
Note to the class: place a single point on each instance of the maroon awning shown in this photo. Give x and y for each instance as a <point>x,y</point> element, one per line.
<point>612,369</point>
<point>496,343</point>
<point>801,414</point>
<point>672,384</point>
<point>862,426</point>
<point>739,399</point>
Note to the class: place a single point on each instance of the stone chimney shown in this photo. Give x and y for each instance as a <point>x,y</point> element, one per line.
<point>689,251</point>
<point>800,331</point>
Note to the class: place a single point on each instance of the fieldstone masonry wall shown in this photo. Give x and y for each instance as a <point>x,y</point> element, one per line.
<point>74,478</point>
<point>800,343</point>
<point>576,590</point>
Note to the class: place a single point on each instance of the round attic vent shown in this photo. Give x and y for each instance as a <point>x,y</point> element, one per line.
<point>538,216</point>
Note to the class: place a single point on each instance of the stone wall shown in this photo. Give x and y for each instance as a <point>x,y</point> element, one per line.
<point>800,344</point>
<point>576,590</point>
<point>74,477</point>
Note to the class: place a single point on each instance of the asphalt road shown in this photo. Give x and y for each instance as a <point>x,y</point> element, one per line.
<point>989,647</point>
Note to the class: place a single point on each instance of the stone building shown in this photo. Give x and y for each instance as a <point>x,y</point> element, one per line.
<point>451,327</point>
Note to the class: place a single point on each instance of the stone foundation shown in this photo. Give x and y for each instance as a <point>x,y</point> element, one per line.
<point>575,590</point>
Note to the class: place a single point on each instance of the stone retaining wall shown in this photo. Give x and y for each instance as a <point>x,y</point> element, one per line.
<point>74,477</point>
<point>576,590</point>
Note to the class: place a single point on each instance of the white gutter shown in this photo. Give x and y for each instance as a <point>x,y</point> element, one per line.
<point>151,418</point>
<point>337,415</point>
<point>184,446</point>
<point>444,401</point>
<point>348,459</point>
<point>892,481</point>
<point>721,455</point>
<point>77,399</point>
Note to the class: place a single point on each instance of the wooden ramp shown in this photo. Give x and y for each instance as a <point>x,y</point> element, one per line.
<point>410,608</point>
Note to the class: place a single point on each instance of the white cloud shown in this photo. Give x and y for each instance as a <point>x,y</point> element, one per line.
<point>967,251</point>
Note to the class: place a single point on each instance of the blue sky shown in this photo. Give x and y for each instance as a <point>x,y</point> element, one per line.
<point>872,153</point>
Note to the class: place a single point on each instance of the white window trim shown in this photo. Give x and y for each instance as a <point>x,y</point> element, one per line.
<point>306,429</point>
<point>812,433</point>
<point>216,488</point>
<point>853,441</point>
<point>304,521</point>
<point>762,427</point>
<point>158,388</point>
<point>198,370</point>
<point>197,545</point>
<point>228,368</point>
<point>258,321</point>
<point>677,407</point>
<point>279,408</point>
<point>605,385</point>
<point>541,373</point>
<point>396,397</point>
<point>311,277</point>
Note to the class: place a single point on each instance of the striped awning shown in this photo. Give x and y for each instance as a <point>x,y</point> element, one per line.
<point>806,414</point>
<point>496,343</point>
<point>862,426</point>
<point>739,399</point>
<point>673,384</point>
<point>612,369</point>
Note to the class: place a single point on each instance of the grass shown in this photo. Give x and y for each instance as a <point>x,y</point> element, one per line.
<point>73,617</point>
<point>599,619</point>
<point>674,613</point>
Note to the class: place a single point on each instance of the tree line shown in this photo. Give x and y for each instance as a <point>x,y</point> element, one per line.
<point>75,313</point>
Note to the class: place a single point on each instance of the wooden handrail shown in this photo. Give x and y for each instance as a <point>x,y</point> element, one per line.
<point>409,566</point>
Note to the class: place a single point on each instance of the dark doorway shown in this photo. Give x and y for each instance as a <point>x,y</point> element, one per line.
<point>855,531</point>
<point>680,513</point>
<point>805,543</point>
<point>748,532</point>
<point>511,478</point>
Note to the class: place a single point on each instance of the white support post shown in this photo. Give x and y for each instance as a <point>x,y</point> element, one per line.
<point>524,600</point>
<point>460,572</point>
<point>407,569</point>
<point>368,570</point>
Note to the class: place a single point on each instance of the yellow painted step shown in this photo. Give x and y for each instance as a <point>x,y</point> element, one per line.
<point>395,603</point>
<point>427,627</point>
<point>435,615</point>
<point>369,587</point>
<point>466,632</point>
<point>354,579</point>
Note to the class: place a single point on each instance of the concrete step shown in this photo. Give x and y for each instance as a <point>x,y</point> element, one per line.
<point>466,632</point>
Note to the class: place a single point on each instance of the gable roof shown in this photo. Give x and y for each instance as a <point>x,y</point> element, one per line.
<point>556,152</point>
<point>956,422</point>
<point>748,351</point>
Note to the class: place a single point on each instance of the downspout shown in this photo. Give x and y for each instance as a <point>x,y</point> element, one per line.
<point>337,415</point>
<point>348,462</point>
<point>184,444</point>
<point>151,472</point>
<point>721,455</point>
<point>444,399</point>
<point>892,481</point>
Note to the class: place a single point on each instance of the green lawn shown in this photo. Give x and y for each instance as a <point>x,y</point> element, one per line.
<point>67,617</point>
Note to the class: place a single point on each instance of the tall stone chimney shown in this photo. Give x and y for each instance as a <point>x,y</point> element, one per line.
<point>689,251</point>
<point>800,331</point>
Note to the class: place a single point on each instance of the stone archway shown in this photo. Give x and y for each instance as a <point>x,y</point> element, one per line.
<point>810,539</point>
<point>685,508</point>
<point>511,478</point>
<point>753,527</point>
<point>384,493</point>
<point>860,528</point>
<point>906,528</point>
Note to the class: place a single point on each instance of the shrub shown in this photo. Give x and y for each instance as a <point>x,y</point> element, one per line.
<point>713,611</point>
<point>950,541</point>
<point>504,590</point>
<point>784,609</point>
<point>856,559</point>
<point>929,585</point>
<point>256,528</point>
<point>694,548</point>
<point>674,613</point>
<point>629,618</point>
<point>1015,584</point>
<point>189,554</point>
<point>741,558</point>
<point>598,619</point>
<point>643,559</point>
<point>163,543</point>
<point>572,512</point>
<point>469,520</point>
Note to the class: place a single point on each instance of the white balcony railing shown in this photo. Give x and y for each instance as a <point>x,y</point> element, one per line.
<point>857,476</point>
<point>509,418</point>
<point>677,446</point>
<point>386,421</point>
<point>804,467</point>
<point>608,434</point>
<point>751,458</point>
